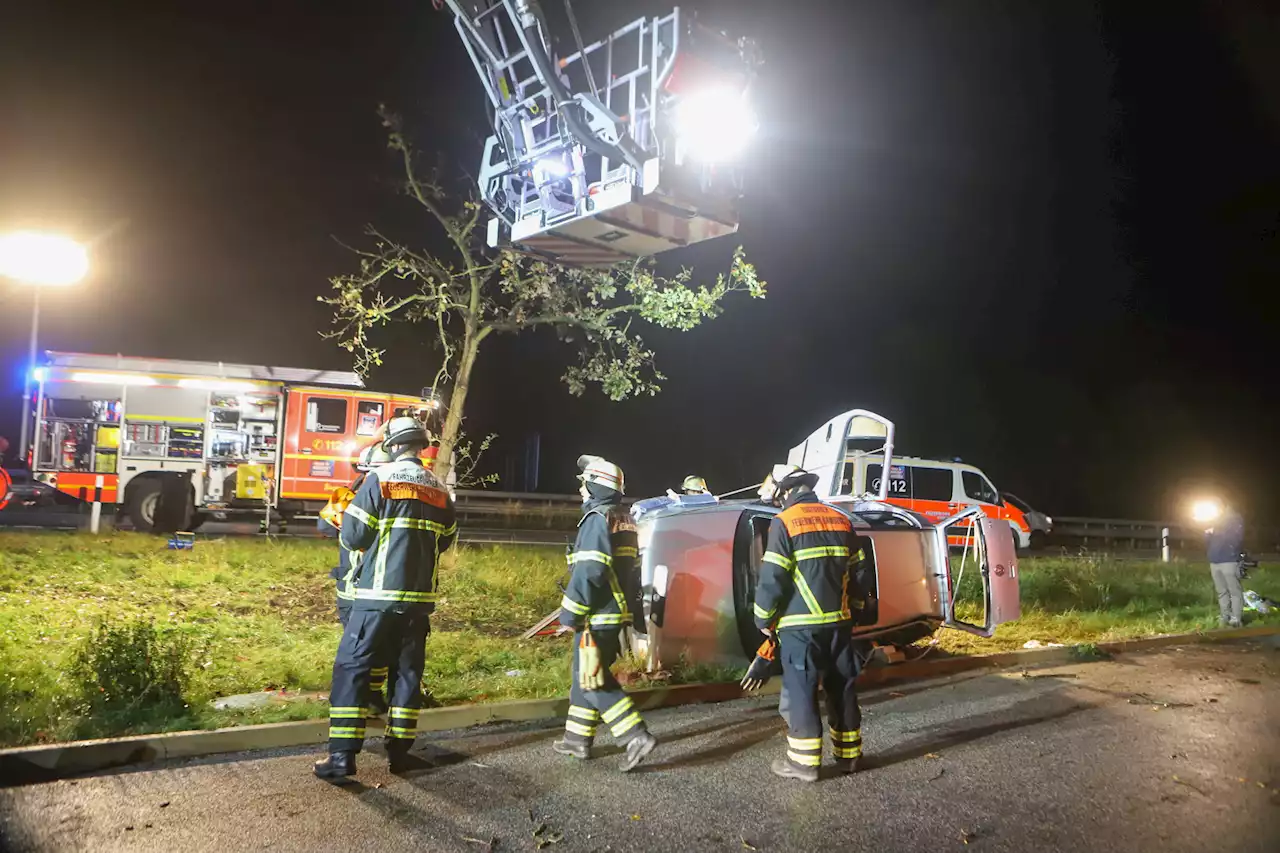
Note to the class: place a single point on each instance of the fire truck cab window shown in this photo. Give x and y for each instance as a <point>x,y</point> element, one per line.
<point>977,488</point>
<point>932,484</point>
<point>326,414</point>
<point>368,417</point>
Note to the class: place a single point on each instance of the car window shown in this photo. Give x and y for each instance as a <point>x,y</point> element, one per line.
<point>976,487</point>
<point>899,485</point>
<point>931,484</point>
<point>1017,502</point>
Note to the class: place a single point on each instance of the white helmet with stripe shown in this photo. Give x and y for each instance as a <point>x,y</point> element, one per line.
<point>782,479</point>
<point>597,469</point>
<point>371,457</point>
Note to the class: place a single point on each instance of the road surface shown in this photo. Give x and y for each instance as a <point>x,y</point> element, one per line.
<point>1177,750</point>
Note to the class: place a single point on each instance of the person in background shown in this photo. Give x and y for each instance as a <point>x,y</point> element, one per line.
<point>695,485</point>
<point>1225,542</point>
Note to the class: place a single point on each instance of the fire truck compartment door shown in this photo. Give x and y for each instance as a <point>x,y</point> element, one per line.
<point>982,581</point>
<point>824,452</point>
<point>187,405</point>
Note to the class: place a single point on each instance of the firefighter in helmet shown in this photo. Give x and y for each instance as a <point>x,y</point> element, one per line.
<point>329,523</point>
<point>806,596</point>
<point>401,520</point>
<point>694,485</point>
<point>602,597</point>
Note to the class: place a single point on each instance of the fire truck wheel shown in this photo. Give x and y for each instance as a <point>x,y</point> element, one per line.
<point>197,520</point>
<point>142,504</point>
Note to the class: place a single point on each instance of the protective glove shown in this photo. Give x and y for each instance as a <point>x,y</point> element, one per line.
<point>590,672</point>
<point>758,673</point>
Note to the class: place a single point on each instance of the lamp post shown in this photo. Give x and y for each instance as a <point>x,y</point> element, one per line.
<point>41,260</point>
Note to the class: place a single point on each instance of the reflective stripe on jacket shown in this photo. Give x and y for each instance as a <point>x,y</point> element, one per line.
<point>807,571</point>
<point>402,519</point>
<point>604,580</point>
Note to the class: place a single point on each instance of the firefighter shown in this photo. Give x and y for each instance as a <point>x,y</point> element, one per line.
<point>401,520</point>
<point>804,597</point>
<point>602,595</point>
<point>694,485</point>
<point>329,523</point>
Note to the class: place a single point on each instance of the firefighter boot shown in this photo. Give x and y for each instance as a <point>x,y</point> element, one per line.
<point>338,768</point>
<point>846,765</point>
<point>580,751</point>
<point>788,769</point>
<point>400,761</point>
<point>637,748</point>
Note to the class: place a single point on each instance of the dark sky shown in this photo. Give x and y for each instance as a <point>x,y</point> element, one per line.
<point>1041,237</point>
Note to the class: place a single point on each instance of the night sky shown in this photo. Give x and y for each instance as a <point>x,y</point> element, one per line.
<point>1039,236</point>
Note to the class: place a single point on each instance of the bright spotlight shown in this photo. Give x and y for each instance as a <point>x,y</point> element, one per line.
<point>1206,510</point>
<point>714,125</point>
<point>37,258</point>
<point>554,166</point>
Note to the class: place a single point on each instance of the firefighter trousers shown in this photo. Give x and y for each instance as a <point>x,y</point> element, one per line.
<point>379,675</point>
<point>812,658</point>
<point>372,636</point>
<point>609,705</point>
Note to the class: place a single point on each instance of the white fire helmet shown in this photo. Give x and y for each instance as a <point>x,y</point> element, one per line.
<point>371,457</point>
<point>782,479</point>
<point>695,485</point>
<point>405,430</point>
<point>596,469</point>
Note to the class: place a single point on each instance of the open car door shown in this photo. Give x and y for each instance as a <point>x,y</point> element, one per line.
<point>982,580</point>
<point>827,451</point>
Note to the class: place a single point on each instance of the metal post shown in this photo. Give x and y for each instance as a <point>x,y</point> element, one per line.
<point>26,380</point>
<point>1164,544</point>
<point>95,516</point>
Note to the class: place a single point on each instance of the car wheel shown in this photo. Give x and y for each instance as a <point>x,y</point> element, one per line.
<point>1038,539</point>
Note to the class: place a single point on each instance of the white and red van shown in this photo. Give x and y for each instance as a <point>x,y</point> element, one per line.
<point>841,453</point>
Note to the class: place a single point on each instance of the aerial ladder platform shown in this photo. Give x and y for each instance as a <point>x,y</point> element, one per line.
<point>626,148</point>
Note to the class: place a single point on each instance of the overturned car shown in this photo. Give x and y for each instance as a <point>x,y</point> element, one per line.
<point>700,560</point>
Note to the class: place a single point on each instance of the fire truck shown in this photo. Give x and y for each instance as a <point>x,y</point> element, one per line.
<point>204,438</point>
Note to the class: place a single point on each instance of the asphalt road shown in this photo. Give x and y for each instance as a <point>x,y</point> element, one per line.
<point>1168,751</point>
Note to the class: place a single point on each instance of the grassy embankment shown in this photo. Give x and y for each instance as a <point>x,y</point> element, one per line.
<point>236,616</point>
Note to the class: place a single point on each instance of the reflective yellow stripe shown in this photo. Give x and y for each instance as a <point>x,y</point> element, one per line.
<point>346,731</point>
<point>618,596</point>
<point>779,560</point>
<point>378,671</point>
<point>408,595</point>
<point>846,751</point>
<point>619,708</point>
<point>822,551</point>
<point>838,736</point>
<point>415,524</point>
<point>807,594</point>
<point>588,714</point>
<point>626,551</point>
<point>380,565</point>
<point>408,732</point>
<point>579,729</point>
<point>805,760</point>
<point>606,619</point>
<point>345,713</point>
<point>761,613</point>
<point>407,713</point>
<point>626,724</point>
<point>345,593</point>
<point>804,742</point>
<point>573,607</point>
<point>360,515</point>
<point>589,556</point>
<point>812,619</point>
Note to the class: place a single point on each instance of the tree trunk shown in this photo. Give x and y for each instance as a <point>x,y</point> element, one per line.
<point>457,402</point>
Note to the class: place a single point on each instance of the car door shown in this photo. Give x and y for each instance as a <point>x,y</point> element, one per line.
<point>982,580</point>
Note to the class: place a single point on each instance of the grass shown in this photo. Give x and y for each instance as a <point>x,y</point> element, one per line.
<point>1093,598</point>
<point>252,614</point>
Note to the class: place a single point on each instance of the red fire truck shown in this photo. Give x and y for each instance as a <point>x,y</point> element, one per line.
<point>204,438</point>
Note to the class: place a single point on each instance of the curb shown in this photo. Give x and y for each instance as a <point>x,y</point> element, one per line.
<point>43,763</point>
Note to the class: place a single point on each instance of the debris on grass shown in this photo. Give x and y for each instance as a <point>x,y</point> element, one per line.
<point>747,845</point>
<point>1184,782</point>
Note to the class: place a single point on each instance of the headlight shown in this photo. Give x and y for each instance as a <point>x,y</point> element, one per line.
<point>714,124</point>
<point>1206,510</point>
<point>1048,519</point>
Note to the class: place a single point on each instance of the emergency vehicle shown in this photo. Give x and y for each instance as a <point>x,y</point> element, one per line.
<point>840,451</point>
<point>242,439</point>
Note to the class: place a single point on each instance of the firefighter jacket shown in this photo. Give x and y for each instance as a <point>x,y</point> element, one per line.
<point>604,581</point>
<point>807,578</point>
<point>333,510</point>
<point>399,524</point>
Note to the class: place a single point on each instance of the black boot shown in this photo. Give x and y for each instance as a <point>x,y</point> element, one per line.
<point>399,760</point>
<point>581,751</point>
<point>788,769</point>
<point>637,748</point>
<point>846,765</point>
<point>339,767</point>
